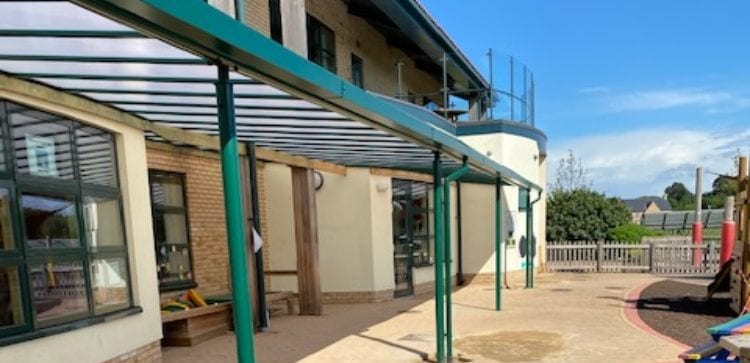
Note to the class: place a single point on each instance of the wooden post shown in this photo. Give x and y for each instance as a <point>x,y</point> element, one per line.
<point>599,255</point>
<point>306,232</point>
<point>651,256</point>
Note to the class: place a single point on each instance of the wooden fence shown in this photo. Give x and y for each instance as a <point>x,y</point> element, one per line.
<point>662,258</point>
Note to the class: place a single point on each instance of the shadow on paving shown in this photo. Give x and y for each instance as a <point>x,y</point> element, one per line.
<point>678,309</point>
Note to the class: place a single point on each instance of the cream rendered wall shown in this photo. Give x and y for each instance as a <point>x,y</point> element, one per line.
<point>522,155</point>
<point>354,230</point>
<point>381,198</point>
<point>280,219</point>
<point>345,235</point>
<point>110,339</point>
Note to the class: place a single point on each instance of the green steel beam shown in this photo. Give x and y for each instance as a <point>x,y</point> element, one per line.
<point>60,33</point>
<point>447,239</point>
<point>157,79</point>
<point>235,220</point>
<point>529,241</point>
<point>439,276</point>
<point>498,244</point>
<point>202,29</point>
<point>260,278</point>
<point>101,59</point>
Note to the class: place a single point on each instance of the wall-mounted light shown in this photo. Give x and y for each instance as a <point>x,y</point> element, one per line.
<point>382,187</point>
<point>318,180</point>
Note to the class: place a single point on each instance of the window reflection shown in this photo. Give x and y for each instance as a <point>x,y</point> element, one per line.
<point>7,242</point>
<point>110,283</point>
<point>41,142</point>
<point>50,222</point>
<point>11,310</point>
<point>102,221</point>
<point>96,156</point>
<point>59,290</point>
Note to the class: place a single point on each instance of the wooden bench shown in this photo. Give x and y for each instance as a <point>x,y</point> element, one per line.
<point>191,327</point>
<point>281,296</point>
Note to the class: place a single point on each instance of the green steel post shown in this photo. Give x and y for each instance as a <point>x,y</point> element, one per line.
<point>530,222</point>
<point>239,10</point>
<point>235,220</point>
<point>498,244</point>
<point>447,241</point>
<point>259,272</point>
<point>439,293</point>
<point>529,241</point>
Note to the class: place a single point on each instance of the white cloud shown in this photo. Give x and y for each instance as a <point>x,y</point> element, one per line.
<point>645,161</point>
<point>593,90</point>
<point>665,99</point>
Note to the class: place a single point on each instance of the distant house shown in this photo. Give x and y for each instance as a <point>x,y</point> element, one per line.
<point>645,205</point>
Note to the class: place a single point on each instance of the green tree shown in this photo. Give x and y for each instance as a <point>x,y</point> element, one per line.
<point>583,215</point>
<point>680,197</point>
<point>722,187</point>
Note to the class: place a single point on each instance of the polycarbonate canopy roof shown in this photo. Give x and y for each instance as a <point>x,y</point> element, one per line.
<point>74,49</point>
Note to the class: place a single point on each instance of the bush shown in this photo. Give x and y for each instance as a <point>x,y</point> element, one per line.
<point>633,233</point>
<point>583,215</point>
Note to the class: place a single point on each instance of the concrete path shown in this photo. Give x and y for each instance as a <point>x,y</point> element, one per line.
<point>566,318</point>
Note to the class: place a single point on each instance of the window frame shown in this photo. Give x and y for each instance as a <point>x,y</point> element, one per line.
<point>275,20</point>
<point>315,44</point>
<point>358,71</point>
<point>523,199</point>
<point>428,211</point>
<point>180,285</point>
<point>22,256</point>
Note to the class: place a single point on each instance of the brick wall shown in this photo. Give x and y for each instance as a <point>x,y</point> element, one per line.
<point>257,16</point>
<point>149,353</point>
<point>354,35</point>
<point>205,205</point>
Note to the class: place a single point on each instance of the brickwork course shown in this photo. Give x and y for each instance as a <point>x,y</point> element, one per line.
<point>150,353</point>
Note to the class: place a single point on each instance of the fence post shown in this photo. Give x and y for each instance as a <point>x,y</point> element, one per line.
<point>651,250</point>
<point>599,255</point>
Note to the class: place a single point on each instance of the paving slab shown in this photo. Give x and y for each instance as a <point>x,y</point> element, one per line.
<point>565,318</point>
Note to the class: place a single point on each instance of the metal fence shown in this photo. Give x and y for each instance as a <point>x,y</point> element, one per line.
<point>658,257</point>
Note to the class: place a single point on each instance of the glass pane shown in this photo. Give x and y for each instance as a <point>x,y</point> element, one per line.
<point>59,290</point>
<point>173,264</point>
<point>50,222</point>
<point>2,144</point>
<point>103,221</point>
<point>11,306</point>
<point>96,156</point>
<point>109,279</point>
<point>170,228</point>
<point>166,189</point>
<point>41,142</point>
<point>7,241</point>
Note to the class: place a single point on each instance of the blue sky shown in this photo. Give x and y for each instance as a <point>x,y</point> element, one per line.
<point>643,91</point>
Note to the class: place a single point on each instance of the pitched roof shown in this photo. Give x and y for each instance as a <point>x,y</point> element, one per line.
<point>640,204</point>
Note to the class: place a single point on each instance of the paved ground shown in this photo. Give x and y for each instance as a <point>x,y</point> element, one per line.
<point>566,318</point>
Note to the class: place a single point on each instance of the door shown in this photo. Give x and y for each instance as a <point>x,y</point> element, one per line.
<point>403,260</point>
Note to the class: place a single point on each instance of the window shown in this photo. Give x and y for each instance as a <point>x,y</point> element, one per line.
<point>174,261</point>
<point>523,199</point>
<point>274,13</point>
<point>63,256</point>
<point>412,216</point>
<point>321,44</point>
<point>358,76</point>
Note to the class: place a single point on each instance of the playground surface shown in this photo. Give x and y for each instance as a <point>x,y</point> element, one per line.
<point>565,318</point>
<point>677,308</point>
